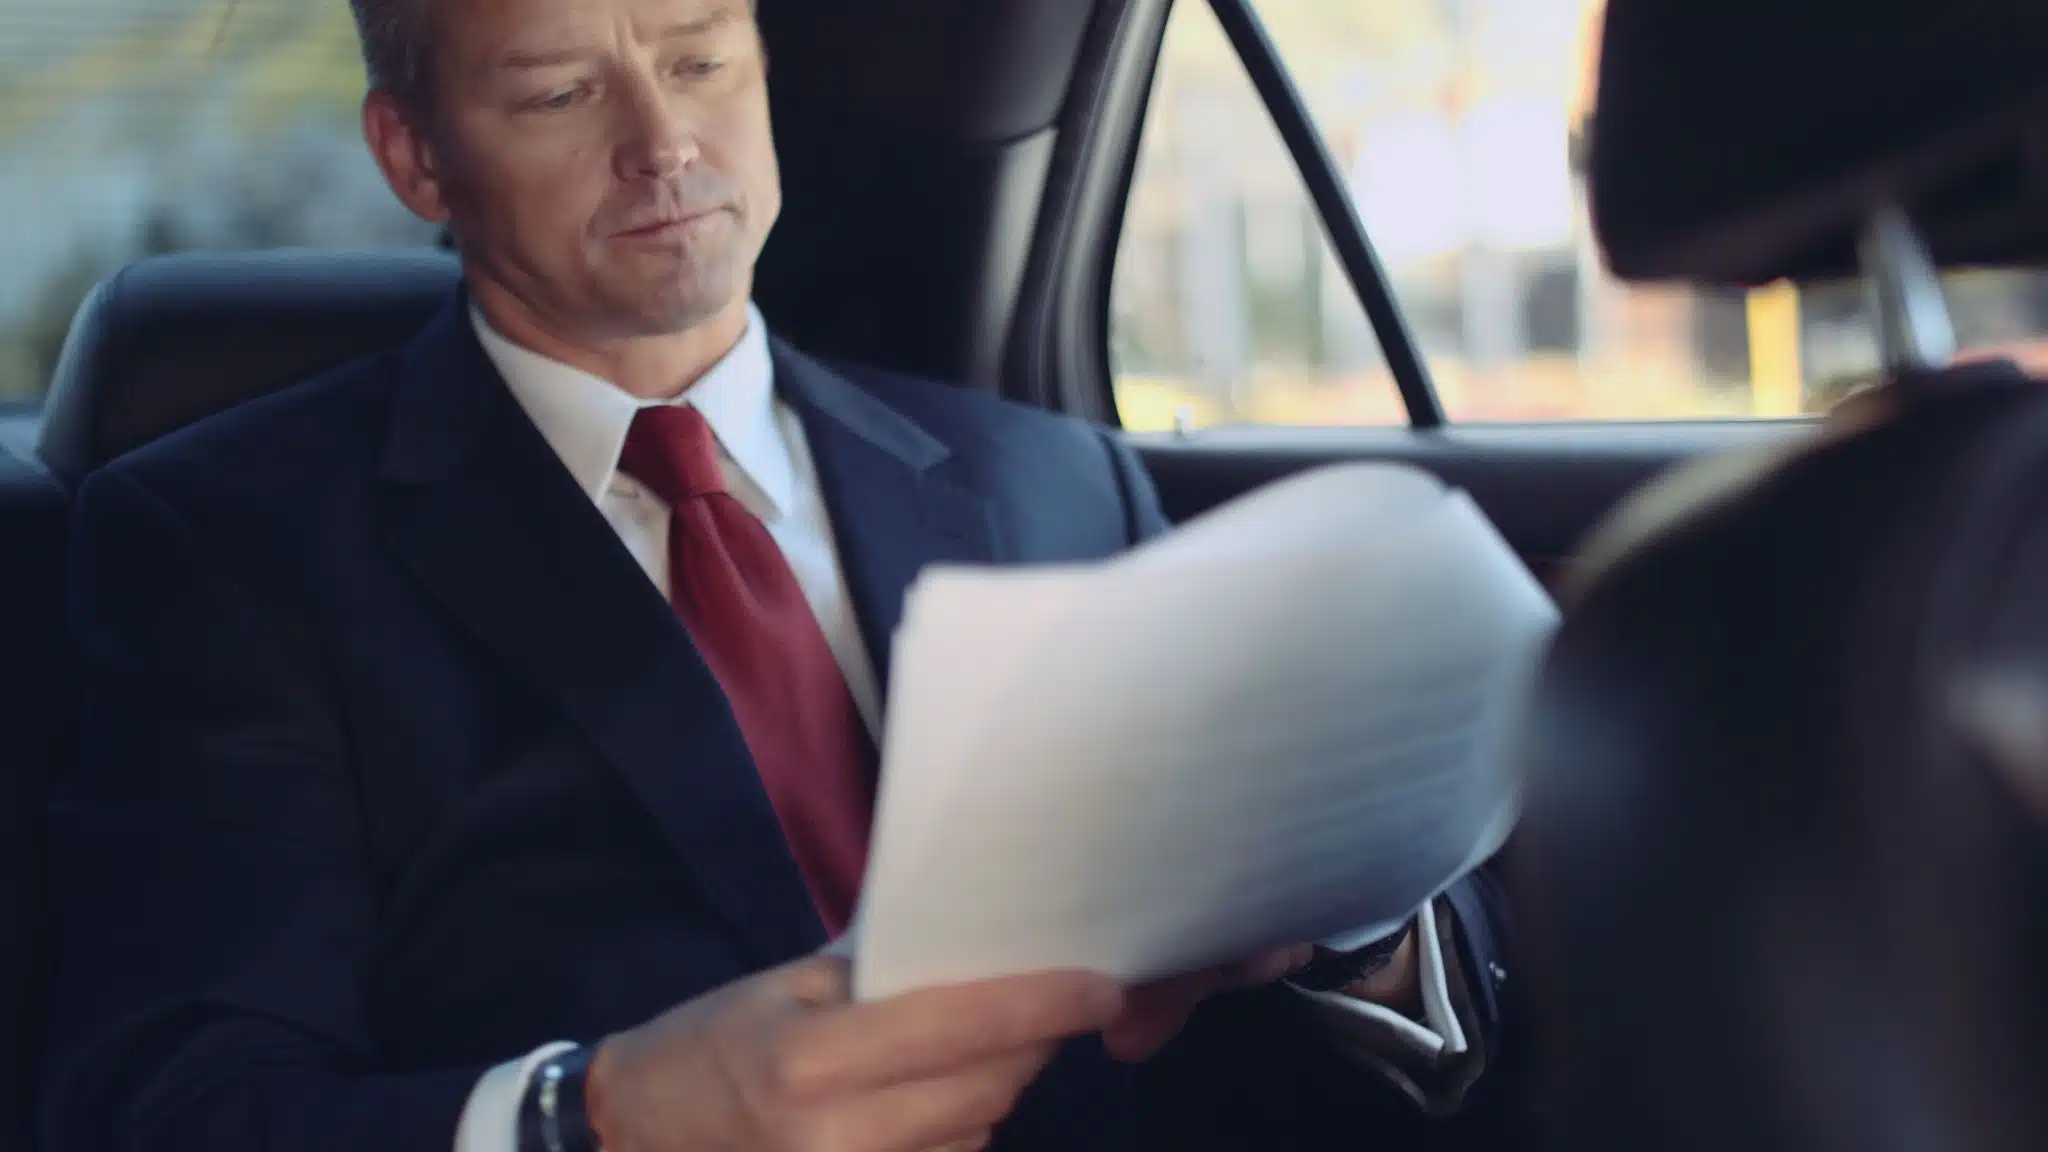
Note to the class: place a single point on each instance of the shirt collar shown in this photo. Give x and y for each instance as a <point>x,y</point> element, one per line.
<point>584,418</point>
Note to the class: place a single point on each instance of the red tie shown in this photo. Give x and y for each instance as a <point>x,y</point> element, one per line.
<point>742,605</point>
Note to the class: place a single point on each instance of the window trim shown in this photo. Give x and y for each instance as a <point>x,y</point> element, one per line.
<point>1058,355</point>
<point>1342,224</point>
<point>1060,348</point>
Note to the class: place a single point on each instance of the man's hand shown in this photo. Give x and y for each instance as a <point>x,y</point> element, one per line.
<point>1157,1012</point>
<point>785,1060</point>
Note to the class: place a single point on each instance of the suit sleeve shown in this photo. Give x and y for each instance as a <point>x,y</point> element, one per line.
<point>210,873</point>
<point>1143,516</point>
<point>1480,1086</point>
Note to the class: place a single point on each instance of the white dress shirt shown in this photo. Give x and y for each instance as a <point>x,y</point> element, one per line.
<point>767,464</point>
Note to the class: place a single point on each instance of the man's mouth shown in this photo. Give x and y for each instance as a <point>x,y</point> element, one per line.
<point>666,227</point>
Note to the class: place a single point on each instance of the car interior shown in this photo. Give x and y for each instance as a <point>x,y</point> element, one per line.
<point>961,181</point>
<point>1750,776</point>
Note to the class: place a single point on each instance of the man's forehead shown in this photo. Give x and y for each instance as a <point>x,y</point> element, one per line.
<point>500,28</point>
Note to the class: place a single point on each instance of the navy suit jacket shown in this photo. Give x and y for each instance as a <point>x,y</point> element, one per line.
<point>395,766</point>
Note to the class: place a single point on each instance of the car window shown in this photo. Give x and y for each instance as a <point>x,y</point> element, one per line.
<point>132,127</point>
<point>1453,122</point>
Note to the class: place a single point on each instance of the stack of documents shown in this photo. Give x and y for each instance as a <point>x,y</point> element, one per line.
<point>1286,720</point>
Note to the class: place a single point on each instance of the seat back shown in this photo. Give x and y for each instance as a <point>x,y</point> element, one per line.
<point>162,343</point>
<point>1739,141</point>
<point>1779,898</point>
<point>35,694</point>
<point>170,339</point>
<point>1784,882</point>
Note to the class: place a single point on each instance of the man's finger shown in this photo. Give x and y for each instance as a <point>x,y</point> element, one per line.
<point>816,981</point>
<point>1139,1038</point>
<point>934,1031</point>
<point>955,1111</point>
<point>1155,1013</point>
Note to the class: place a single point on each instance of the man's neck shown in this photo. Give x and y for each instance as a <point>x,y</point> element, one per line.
<point>648,367</point>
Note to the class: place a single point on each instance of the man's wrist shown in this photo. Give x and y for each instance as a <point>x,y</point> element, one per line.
<point>1334,971</point>
<point>554,1114</point>
<point>1395,984</point>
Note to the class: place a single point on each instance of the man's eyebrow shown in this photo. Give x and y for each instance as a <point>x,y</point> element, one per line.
<point>702,24</point>
<point>525,58</point>
<point>522,58</point>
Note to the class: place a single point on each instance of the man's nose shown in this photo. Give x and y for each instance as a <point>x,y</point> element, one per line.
<point>658,142</point>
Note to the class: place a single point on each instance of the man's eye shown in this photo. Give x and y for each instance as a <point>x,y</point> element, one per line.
<point>698,67</point>
<point>556,101</point>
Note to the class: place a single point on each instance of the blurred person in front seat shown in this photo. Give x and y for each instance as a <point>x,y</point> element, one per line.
<point>480,742</point>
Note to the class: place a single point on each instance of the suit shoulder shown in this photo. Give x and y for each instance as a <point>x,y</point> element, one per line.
<point>1065,482</point>
<point>276,446</point>
<point>954,413</point>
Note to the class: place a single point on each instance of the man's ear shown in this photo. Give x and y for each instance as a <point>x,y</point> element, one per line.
<point>405,155</point>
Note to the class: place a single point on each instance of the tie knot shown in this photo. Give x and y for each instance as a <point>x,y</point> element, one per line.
<point>671,450</point>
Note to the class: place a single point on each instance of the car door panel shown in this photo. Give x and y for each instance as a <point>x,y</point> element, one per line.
<point>1543,486</point>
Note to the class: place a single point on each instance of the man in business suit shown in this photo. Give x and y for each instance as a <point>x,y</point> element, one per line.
<point>479,740</point>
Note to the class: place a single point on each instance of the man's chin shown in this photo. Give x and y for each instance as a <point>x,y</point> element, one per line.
<point>661,294</point>
<point>675,312</point>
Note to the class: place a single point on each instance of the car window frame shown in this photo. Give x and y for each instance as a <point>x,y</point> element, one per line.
<point>1060,356</point>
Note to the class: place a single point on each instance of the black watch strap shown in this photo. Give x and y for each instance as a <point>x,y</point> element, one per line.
<point>552,1115</point>
<point>1331,969</point>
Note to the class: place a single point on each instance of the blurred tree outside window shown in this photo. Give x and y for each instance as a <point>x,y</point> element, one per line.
<point>135,127</point>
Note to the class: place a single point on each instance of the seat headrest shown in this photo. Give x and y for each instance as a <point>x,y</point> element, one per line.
<point>1738,141</point>
<point>172,339</point>
<point>1766,817</point>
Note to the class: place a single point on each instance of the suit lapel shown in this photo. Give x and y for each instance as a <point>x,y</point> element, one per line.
<point>486,518</point>
<point>892,510</point>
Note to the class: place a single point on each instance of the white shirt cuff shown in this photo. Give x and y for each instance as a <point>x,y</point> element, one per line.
<point>490,1120</point>
<point>1433,1061</point>
<point>1434,1040</point>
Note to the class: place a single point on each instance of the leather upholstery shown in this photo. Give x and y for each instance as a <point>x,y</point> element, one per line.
<point>160,344</point>
<point>1779,896</point>
<point>168,340</point>
<point>1743,140</point>
<point>1775,901</point>
<point>35,691</point>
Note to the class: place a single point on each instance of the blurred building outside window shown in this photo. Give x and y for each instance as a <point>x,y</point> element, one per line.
<point>1454,123</point>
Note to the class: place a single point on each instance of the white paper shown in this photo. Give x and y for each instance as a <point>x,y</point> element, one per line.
<point>1284,721</point>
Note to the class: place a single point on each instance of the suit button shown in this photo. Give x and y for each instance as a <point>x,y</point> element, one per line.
<point>1500,975</point>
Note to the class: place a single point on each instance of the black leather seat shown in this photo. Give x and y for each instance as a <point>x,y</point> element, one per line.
<point>158,345</point>
<point>35,690</point>
<point>171,339</point>
<point>1780,896</point>
<point>1738,141</point>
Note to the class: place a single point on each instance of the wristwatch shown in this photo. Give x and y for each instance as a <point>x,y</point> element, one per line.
<point>1331,969</point>
<point>552,1116</point>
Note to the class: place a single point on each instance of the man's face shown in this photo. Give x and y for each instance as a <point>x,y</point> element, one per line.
<point>607,162</point>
